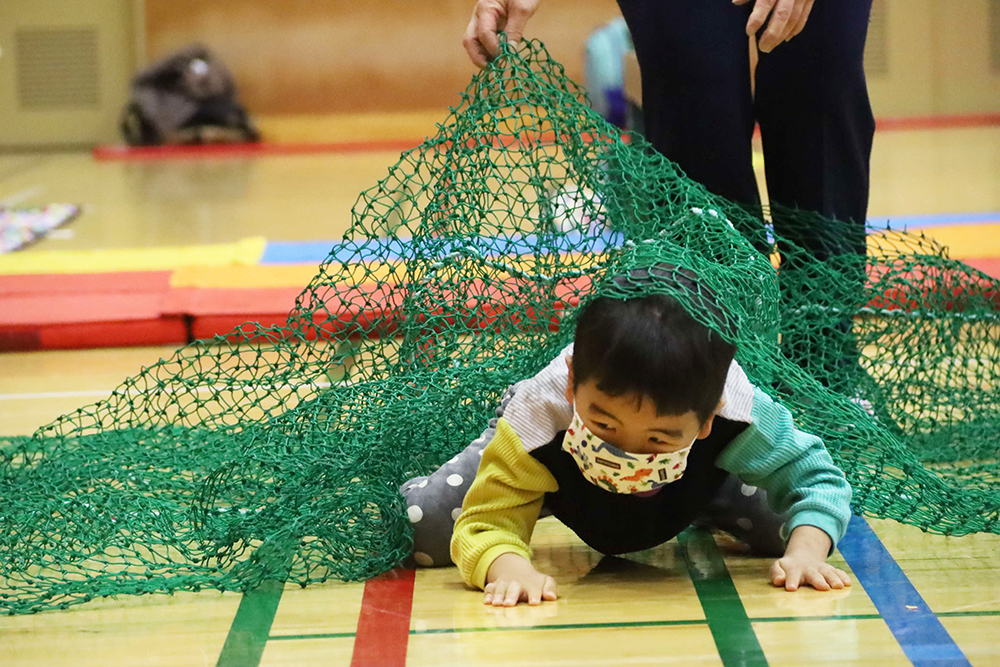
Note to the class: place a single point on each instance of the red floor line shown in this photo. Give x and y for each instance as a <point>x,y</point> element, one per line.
<point>384,622</point>
<point>106,153</point>
<point>938,122</point>
<point>256,150</point>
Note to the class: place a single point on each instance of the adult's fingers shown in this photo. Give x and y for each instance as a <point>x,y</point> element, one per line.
<point>486,29</point>
<point>517,16</point>
<point>761,9</point>
<point>793,20</point>
<point>470,40</point>
<point>549,589</point>
<point>777,25</point>
<point>803,17</point>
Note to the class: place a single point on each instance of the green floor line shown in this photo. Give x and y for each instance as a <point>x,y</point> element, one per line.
<point>251,626</point>
<point>557,626</point>
<point>794,619</point>
<point>963,614</point>
<point>734,636</point>
<point>318,635</point>
<point>630,624</point>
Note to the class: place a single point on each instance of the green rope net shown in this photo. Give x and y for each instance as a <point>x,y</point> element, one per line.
<point>278,452</point>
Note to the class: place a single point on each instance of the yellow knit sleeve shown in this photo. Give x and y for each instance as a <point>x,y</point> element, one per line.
<point>501,507</point>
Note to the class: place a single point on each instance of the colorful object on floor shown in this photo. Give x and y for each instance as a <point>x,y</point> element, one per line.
<point>147,296</point>
<point>276,453</point>
<point>194,301</point>
<point>20,227</point>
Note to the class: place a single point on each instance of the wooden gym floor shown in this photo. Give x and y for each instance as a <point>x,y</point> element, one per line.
<point>917,598</point>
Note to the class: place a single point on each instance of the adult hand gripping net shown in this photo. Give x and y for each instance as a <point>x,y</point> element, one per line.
<point>277,453</point>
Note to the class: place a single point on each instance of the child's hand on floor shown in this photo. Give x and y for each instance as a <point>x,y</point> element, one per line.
<point>513,579</point>
<point>804,562</point>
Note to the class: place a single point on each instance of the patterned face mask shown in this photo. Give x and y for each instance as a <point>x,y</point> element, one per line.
<point>617,471</point>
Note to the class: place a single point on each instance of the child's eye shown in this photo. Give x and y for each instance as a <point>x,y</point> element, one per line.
<point>603,427</point>
<point>668,447</point>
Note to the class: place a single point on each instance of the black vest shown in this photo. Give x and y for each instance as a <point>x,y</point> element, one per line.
<point>615,523</point>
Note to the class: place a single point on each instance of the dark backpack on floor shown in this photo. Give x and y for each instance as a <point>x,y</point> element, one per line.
<point>186,98</point>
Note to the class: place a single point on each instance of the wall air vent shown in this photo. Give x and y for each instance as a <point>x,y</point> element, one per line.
<point>57,68</point>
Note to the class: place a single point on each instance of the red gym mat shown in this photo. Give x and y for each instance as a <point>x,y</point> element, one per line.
<point>141,308</point>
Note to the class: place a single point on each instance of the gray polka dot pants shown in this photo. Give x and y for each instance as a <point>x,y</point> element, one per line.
<point>434,503</point>
<point>742,511</point>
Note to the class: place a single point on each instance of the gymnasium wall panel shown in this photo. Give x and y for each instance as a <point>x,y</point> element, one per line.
<point>323,56</point>
<point>64,70</point>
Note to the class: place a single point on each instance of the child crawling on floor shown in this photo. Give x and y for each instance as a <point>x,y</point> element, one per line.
<point>645,425</point>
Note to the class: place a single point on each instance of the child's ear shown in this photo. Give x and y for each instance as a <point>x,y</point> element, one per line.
<point>569,380</point>
<point>706,428</point>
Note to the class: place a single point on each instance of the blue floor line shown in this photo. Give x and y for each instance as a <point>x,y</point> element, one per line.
<point>935,220</point>
<point>920,634</point>
<point>315,252</point>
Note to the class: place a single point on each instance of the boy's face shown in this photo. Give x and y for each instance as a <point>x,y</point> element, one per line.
<point>631,423</point>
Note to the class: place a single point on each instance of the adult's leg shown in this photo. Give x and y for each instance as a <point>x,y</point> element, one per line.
<point>815,118</point>
<point>696,99</point>
<point>817,127</point>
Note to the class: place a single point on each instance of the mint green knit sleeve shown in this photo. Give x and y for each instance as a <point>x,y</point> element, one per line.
<point>794,468</point>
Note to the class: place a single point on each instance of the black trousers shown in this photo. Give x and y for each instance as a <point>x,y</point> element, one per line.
<point>816,123</point>
<point>811,101</point>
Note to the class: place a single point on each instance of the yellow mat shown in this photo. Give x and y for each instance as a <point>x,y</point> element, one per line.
<point>967,241</point>
<point>235,265</point>
<point>246,252</point>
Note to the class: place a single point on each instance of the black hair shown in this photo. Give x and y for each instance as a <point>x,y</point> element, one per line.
<point>651,346</point>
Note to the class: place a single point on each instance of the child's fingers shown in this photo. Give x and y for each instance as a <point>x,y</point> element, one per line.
<point>549,589</point>
<point>790,574</point>
<point>488,593</point>
<point>513,594</point>
<point>793,577</point>
<point>499,593</point>
<point>777,574</point>
<point>832,576</point>
<point>816,579</point>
